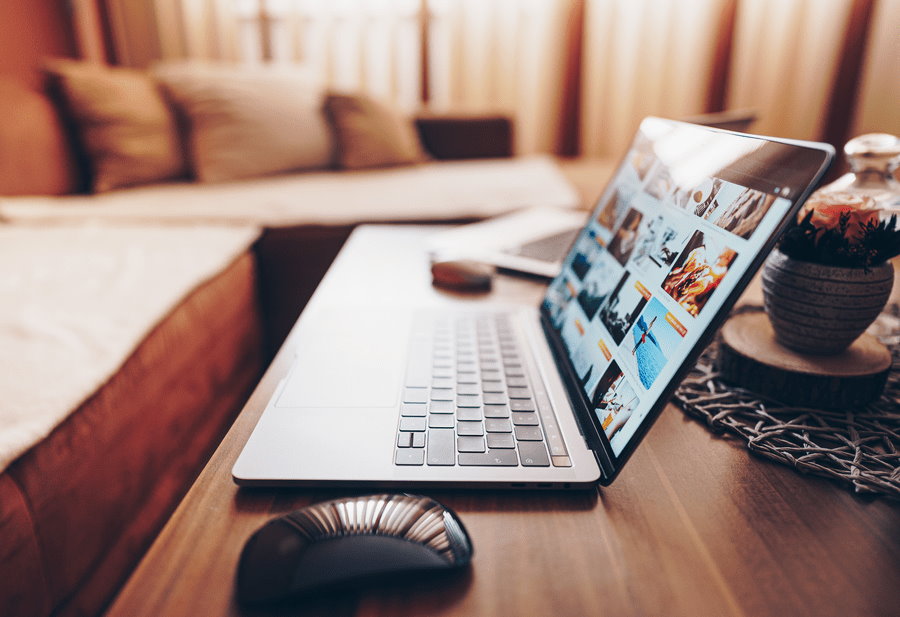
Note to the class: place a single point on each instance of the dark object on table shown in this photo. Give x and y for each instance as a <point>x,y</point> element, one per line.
<point>462,275</point>
<point>750,356</point>
<point>333,544</point>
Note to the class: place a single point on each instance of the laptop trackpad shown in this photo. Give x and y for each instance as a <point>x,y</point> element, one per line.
<point>348,359</point>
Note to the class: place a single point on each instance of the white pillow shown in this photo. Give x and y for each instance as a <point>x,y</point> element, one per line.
<point>249,121</point>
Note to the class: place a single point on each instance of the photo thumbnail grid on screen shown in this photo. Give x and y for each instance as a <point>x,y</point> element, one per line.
<point>635,290</point>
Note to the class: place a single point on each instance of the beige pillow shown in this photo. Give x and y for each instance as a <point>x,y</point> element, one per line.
<point>127,131</point>
<point>370,134</point>
<point>249,122</point>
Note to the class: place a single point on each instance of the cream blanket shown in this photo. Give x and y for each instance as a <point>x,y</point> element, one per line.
<point>430,192</point>
<point>76,301</point>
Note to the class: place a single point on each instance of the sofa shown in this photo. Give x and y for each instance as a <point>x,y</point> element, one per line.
<point>459,169</point>
<point>87,490</point>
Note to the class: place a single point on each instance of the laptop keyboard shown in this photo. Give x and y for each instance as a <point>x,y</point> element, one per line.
<point>468,400</point>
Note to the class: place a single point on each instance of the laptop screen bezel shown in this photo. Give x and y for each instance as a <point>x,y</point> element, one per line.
<point>610,463</point>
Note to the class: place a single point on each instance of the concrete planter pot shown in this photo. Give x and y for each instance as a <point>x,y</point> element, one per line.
<point>820,309</point>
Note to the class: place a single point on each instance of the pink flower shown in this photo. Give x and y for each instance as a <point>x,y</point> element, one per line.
<point>829,207</point>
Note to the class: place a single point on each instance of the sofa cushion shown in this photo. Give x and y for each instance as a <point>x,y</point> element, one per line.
<point>245,123</point>
<point>435,191</point>
<point>126,128</point>
<point>371,134</point>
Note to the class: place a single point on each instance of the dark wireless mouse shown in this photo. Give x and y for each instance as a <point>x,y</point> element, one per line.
<point>337,543</point>
<point>462,275</point>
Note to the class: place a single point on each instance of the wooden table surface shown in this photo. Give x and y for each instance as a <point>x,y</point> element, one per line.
<point>694,525</point>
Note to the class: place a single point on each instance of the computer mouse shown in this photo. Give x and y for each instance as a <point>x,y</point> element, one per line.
<point>347,542</point>
<point>462,275</point>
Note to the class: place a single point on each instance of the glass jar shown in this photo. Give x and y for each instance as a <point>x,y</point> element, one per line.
<point>873,159</point>
<point>868,191</point>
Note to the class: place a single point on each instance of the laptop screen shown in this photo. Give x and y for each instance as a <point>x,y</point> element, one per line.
<point>685,217</point>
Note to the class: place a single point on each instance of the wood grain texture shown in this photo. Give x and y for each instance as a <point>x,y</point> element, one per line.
<point>693,526</point>
<point>751,357</point>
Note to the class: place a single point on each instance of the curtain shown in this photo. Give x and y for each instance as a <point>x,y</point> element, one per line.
<point>577,75</point>
<point>879,93</point>
<point>506,55</point>
<point>644,57</point>
<point>446,55</point>
<point>785,61</point>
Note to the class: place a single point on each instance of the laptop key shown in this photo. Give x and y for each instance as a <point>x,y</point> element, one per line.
<point>494,398</point>
<point>415,395</point>
<point>412,409</point>
<point>404,440</point>
<point>441,448</point>
<point>409,456</point>
<point>497,425</point>
<point>442,394</point>
<point>418,440</point>
<point>491,458</point>
<point>468,400</point>
<point>442,407</point>
<point>470,444</point>
<point>552,434</point>
<point>525,418</point>
<point>521,405</point>
<point>466,378</point>
<point>468,388</point>
<point>444,382</point>
<point>472,429</point>
<point>441,420</point>
<point>516,381</point>
<point>519,392</point>
<point>498,440</point>
<point>528,433</point>
<point>468,414</point>
<point>493,387</point>
<point>412,424</point>
<point>490,375</point>
<point>533,454</point>
<point>466,367</point>
<point>496,411</point>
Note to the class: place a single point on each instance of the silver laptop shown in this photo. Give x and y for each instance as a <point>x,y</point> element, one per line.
<point>532,241</point>
<point>560,395</point>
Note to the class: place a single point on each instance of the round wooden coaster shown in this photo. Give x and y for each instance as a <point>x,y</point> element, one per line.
<point>750,356</point>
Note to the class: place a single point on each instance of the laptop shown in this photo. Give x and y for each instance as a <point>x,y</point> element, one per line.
<point>559,395</point>
<point>533,241</point>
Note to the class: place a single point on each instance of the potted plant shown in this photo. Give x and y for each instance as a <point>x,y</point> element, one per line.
<point>831,274</point>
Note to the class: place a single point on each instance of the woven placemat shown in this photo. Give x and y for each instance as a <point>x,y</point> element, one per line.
<point>859,448</point>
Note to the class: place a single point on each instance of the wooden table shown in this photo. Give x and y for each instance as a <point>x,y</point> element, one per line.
<point>694,525</point>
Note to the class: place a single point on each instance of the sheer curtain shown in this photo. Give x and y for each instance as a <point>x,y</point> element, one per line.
<point>785,61</point>
<point>448,55</point>
<point>644,57</point>
<point>506,55</point>
<point>582,69</point>
<point>654,57</point>
<point>879,93</point>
